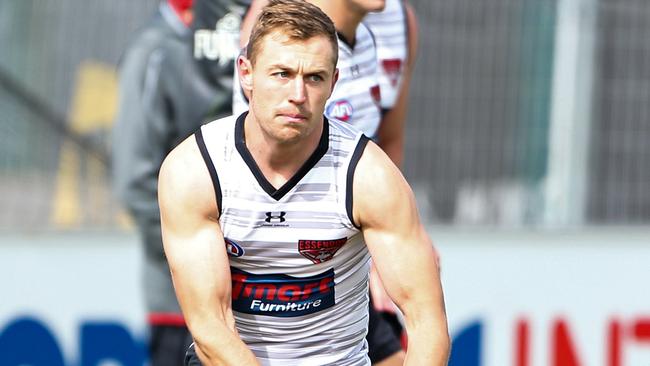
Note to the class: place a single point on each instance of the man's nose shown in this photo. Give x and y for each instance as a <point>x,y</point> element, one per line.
<point>298,94</point>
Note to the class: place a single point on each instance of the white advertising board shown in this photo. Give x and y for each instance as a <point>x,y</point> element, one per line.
<point>513,298</point>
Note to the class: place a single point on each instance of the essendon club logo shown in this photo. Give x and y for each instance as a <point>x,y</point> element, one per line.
<point>319,251</point>
<point>275,216</point>
<point>392,67</point>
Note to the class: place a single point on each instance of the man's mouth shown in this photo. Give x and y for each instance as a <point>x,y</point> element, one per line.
<point>294,117</point>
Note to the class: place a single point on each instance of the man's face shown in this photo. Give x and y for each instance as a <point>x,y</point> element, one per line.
<point>290,83</point>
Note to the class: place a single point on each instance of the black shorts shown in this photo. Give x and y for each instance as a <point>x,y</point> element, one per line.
<point>191,359</point>
<point>167,345</point>
<point>384,332</point>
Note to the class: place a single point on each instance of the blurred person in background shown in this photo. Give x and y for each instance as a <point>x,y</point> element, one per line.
<point>175,74</point>
<point>396,38</point>
<point>234,256</point>
<point>371,94</point>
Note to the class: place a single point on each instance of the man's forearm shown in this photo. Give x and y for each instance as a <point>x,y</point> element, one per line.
<point>219,344</point>
<point>427,345</point>
<point>230,352</point>
<point>238,356</point>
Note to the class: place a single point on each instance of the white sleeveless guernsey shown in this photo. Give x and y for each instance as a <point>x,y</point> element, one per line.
<point>356,96</point>
<point>391,36</point>
<point>299,265</point>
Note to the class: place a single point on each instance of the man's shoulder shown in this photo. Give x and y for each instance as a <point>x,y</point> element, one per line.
<point>217,133</point>
<point>184,183</point>
<point>378,185</point>
<point>220,125</point>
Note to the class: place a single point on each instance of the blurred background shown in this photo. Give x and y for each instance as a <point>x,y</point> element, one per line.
<point>528,148</point>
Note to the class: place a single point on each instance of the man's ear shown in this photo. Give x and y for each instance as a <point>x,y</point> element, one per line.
<point>335,78</point>
<point>245,72</point>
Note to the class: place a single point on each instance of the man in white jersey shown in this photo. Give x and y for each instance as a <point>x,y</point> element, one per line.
<point>396,35</point>
<point>396,38</point>
<point>269,245</point>
<point>356,101</point>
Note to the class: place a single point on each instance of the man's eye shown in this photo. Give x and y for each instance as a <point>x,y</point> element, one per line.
<point>282,74</point>
<point>315,78</point>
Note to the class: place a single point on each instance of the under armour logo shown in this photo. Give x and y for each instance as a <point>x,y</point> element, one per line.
<point>279,216</point>
<point>355,70</point>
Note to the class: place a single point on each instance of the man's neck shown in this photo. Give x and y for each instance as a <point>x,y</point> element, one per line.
<point>346,20</point>
<point>278,161</point>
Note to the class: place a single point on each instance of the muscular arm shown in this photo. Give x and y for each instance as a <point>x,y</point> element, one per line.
<point>391,130</point>
<point>197,258</point>
<point>403,254</point>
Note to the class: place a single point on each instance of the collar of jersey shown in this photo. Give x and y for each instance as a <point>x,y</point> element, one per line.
<point>277,194</point>
<point>349,44</point>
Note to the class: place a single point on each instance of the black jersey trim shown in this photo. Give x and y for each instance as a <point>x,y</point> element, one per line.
<point>356,155</point>
<point>346,41</point>
<point>372,36</point>
<point>277,194</point>
<point>198,135</point>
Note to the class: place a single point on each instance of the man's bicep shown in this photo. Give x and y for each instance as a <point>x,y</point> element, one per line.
<point>200,272</point>
<point>406,264</point>
<point>386,208</point>
<point>192,237</point>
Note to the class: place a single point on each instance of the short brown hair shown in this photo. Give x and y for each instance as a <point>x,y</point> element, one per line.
<point>298,19</point>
